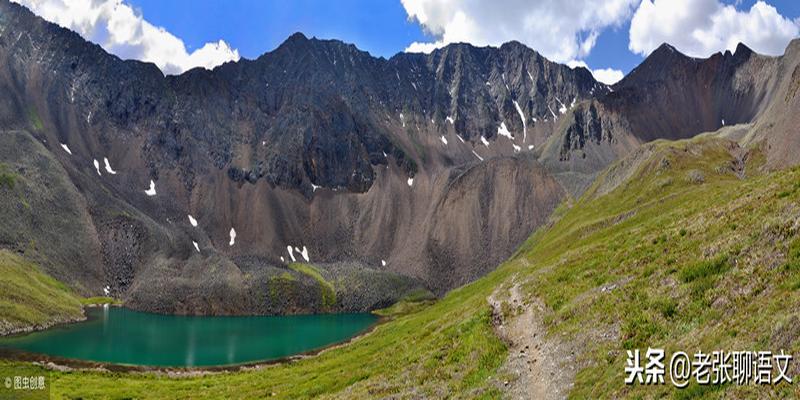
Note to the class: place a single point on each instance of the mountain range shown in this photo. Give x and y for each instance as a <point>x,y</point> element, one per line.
<point>319,178</point>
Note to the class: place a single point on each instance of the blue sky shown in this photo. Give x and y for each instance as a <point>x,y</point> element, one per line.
<point>381,27</point>
<point>255,27</point>
<point>611,50</point>
<point>610,37</point>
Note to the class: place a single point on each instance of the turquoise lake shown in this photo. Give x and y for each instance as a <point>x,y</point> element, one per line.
<point>121,336</point>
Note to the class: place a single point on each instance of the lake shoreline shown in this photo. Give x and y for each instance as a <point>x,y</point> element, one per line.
<point>28,329</point>
<point>65,364</point>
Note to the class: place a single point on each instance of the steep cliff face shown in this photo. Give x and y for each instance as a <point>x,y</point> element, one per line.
<point>777,127</point>
<point>674,96</point>
<point>420,169</point>
<point>423,166</point>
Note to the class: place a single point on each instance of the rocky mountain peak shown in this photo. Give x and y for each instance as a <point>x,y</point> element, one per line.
<point>297,37</point>
<point>742,50</point>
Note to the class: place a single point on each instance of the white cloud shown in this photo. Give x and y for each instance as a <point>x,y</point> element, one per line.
<point>420,47</point>
<point>116,27</point>
<point>700,28</point>
<point>609,76</point>
<point>560,30</point>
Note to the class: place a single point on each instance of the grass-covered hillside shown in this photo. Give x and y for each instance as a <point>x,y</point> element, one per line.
<point>693,249</point>
<point>30,298</point>
<point>687,246</point>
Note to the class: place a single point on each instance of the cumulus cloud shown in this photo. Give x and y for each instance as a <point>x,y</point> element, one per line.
<point>116,27</point>
<point>700,28</point>
<point>609,76</point>
<point>560,30</point>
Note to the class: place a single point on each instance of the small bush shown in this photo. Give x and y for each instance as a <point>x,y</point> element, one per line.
<point>637,330</point>
<point>793,284</point>
<point>666,306</point>
<point>7,179</point>
<point>705,268</point>
<point>700,287</point>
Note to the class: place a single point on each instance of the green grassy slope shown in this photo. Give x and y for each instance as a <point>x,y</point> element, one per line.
<point>28,297</point>
<point>328,293</point>
<point>669,260</point>
<point>681,254</point>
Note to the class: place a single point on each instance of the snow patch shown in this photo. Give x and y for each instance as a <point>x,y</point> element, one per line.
<point>192,220</point>
<point>444,140</point>
<point>106,290</point>
<point>402,120</point>
<point>551,112</point>
<point>108,166</point>
<point>383,263</point>
<point>66,148</point>
<point>460,138</point>
<point>291,253</point>
<point>233,237</point>
<point>314,187</point>
<point>410,181</point>
<point>563,108</point>
<point>304,253</point>
<point>484,141</point>
<point>522,117</point>
<point>530,147</point>
<point>529,75</point>
<point>450,120</point>
<point>196,246</point>
<point>516,148</point>
<point>283,260</point>
<point>503,131</point>
<point>476,155</point>
<point>152,190</point>
<point>97,167</point>
<point>723,122</point>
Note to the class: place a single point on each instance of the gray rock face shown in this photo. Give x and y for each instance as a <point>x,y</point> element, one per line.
<point>420,169</point>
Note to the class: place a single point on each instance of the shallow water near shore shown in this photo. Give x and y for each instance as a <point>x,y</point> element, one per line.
<point>122,336</point>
